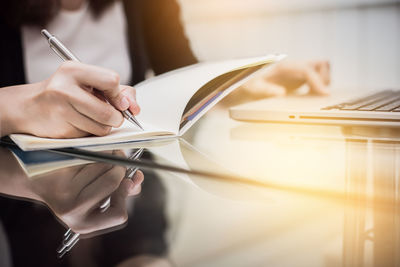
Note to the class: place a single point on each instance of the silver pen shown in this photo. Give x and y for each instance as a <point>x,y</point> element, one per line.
<point>64,53</point>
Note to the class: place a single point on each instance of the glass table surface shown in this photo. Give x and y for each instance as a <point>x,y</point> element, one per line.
<point>227,193</point>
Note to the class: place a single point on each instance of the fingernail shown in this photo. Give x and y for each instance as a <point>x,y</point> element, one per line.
<point>124,103</point>
<point>135,109</point>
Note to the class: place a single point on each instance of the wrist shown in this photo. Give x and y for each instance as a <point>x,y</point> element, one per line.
<point>13,102</point>
<point>7,124</point>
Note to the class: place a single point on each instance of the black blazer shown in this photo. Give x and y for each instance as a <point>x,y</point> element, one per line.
<point>156,41</point>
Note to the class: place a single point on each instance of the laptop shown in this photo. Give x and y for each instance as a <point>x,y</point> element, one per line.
<point>378,109</point>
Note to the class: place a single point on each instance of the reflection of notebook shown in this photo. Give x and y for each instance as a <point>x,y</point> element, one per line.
<point>375,109</point>
<point>170,103</point>
<point>35,163</point>
<point>39,162</point>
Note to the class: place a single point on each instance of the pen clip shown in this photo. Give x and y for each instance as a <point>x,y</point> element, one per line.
<point>130,172</point>
<point>69,241</point>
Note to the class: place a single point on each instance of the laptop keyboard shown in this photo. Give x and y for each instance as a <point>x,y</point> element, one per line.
<point>387,100</point>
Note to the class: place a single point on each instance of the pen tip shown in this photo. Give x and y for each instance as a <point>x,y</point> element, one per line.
<point>128,115</point>
<point>135,122</point>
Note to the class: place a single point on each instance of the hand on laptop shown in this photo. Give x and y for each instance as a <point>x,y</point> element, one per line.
<point>288,76</point>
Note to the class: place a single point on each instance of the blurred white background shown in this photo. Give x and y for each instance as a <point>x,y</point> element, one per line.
<point>361,38</point>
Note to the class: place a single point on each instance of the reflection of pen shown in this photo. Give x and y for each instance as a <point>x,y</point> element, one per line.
<point>70,237</point>
<point>63,52</point>
<point>130,172</point>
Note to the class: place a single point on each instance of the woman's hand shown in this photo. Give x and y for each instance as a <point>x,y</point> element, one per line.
<point>288,76</point>
<point>65,105</point>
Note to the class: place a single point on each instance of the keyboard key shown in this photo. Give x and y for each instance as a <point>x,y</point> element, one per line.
<point>387,100</point>
<point>367,101</point>
<point>390,107</point>
<point>383,102</point>
<point>365,98</point>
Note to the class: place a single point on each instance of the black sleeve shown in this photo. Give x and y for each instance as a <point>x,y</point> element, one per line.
<point>11,56</point>
<point>156,37</point>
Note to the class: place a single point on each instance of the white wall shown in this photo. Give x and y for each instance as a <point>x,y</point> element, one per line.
<point>361,38</point>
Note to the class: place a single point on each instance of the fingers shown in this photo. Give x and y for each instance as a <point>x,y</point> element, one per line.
<point>103,80</point>
<point>261,87</point>
<point>102,187</point>
<point>94,108</point>
<point>115,215</point>
<point>126,186</point>
<point>137,181</point>
<point>88,125</point>
<point>315,82</point>
<point>68,131</point>
<point>87,175</point>
<point>272,89</point>
<point>289,76</point>
<point>322,67</point>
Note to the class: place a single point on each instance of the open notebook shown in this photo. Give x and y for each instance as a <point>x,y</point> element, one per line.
<point>170,103</point>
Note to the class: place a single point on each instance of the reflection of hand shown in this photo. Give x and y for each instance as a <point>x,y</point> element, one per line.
<point>65,106</point>
<point>288,76</point>
<point>75,194</point>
